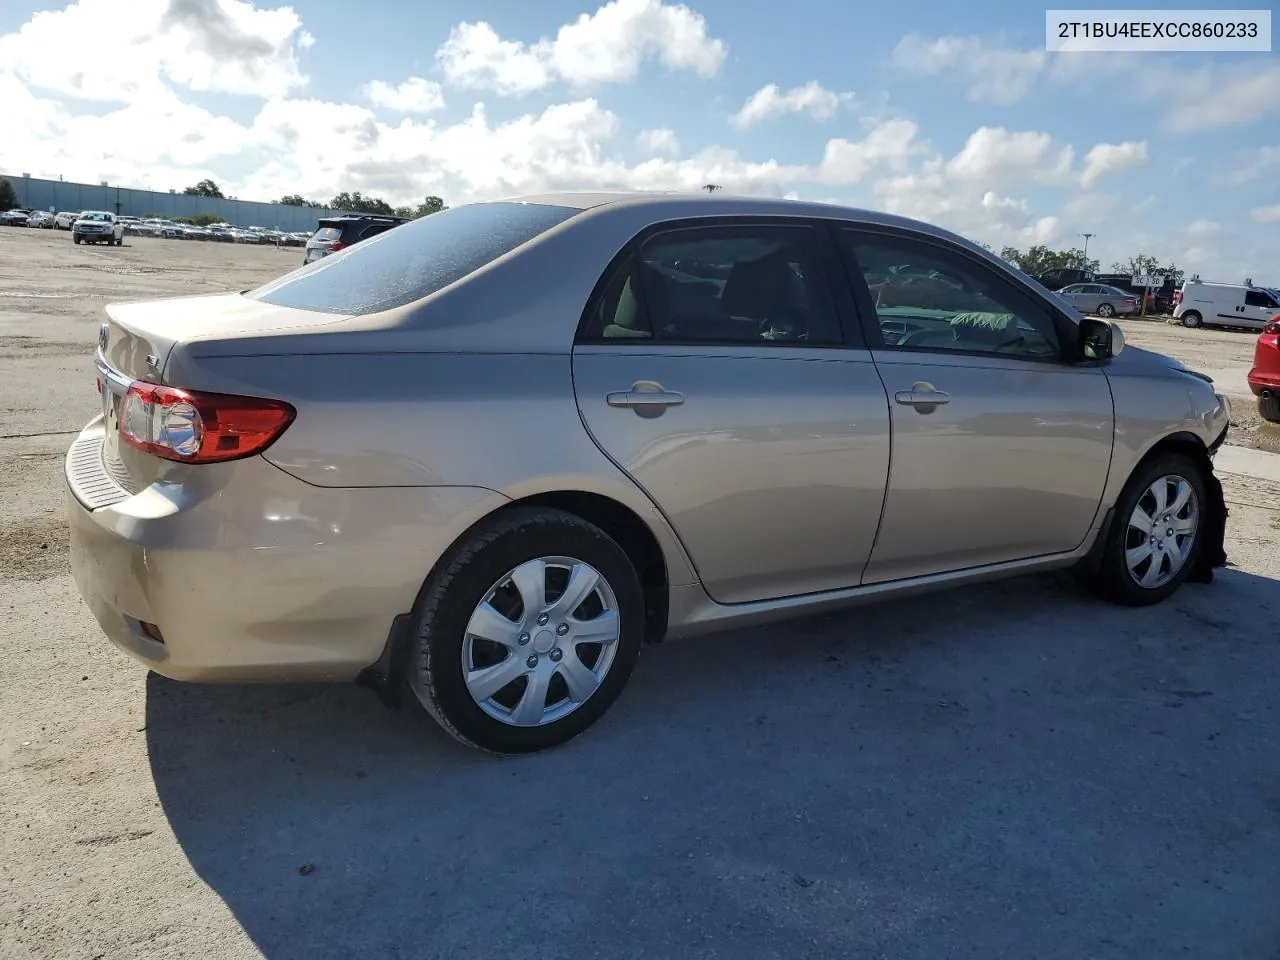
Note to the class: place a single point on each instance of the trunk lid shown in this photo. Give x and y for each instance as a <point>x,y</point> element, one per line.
<point>137,339</point>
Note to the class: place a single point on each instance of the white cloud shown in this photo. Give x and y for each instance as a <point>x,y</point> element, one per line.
<point>1252,165</point>
<point>608,46</point>
<point>659,141</point>
<point>994,74</point>
<point>1203,228</point>
<point>770,102</point>
<point>219,46</point>
<point>994,155</point>
<point>1211,95</point>
<point>1266,214</point>
<point>415,95</point>
<point>1107,158</point>
<point>888,147</point>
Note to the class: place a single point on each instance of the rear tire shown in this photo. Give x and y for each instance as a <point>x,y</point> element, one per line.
<point>476,586</point>
<point>1137,567</point>
<point>1191,319</point>
<point>1269,408</point>
<point>1106,311</point>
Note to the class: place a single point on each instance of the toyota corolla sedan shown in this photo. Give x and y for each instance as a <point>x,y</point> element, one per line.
<point>489,454</point>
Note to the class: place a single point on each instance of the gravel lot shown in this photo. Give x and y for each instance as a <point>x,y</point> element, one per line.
<point>1007,771</point>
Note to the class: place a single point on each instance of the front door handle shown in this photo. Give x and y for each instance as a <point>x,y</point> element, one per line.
<point>646,398</point>
<point>923,396</point>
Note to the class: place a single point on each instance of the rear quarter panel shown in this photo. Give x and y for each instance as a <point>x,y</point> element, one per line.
<point>505,422</point>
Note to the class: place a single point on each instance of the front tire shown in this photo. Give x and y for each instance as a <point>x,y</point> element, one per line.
<point>527,632</point>
<point>1154,536</point>
<point>76,239</point>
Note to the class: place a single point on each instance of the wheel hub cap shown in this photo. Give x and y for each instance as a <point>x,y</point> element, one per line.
<point>541,641</point>
<point>1161,531</point>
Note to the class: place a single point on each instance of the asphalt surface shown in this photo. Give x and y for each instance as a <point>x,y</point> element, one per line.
<point>1014,770</point>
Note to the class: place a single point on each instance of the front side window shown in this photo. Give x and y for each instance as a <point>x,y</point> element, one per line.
<point>1256,298</point>
<point>928,298</point>
<point>732,285</point>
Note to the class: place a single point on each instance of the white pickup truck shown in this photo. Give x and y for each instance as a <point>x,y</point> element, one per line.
<point>98,226</point>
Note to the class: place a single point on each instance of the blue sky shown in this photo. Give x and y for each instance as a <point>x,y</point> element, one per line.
<point>951,113</point>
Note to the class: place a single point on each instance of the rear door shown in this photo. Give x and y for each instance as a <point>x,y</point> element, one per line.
<point>712,368</point>
<point>1000,448</point>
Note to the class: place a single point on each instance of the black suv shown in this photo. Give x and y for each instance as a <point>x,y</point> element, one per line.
<point>337,233</point>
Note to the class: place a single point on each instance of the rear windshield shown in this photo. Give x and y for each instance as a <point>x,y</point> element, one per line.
<point>327,233</point>
<point>413,260</point>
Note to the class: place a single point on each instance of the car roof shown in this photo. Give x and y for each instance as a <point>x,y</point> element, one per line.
<point>676,204</point>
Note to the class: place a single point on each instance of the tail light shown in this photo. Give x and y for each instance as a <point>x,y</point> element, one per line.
<point>1272,326</point>
<point>1177,297</point>
<point>336,246</point>
<point>193,427</point>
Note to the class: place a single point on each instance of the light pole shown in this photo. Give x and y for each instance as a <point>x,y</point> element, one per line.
<point>1086,248</point>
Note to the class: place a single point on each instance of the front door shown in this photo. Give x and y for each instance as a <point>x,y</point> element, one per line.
<point>1000,449</point>
<point>712,369</point>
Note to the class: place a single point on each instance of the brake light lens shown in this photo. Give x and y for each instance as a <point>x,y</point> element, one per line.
<point>1272,326</point>
<point>336,246</point>
<point>1177,297</point>
<point>193,427</point>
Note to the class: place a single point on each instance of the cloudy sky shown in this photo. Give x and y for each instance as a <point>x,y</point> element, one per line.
<point>952,113</point>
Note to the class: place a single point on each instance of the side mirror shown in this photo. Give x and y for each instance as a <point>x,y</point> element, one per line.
<point>1100,339</point>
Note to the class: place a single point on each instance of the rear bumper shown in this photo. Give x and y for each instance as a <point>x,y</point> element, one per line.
<point>249,575</point>
<point>1266,364</point>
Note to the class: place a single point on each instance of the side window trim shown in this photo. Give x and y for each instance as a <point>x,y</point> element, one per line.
<point>829,281</point>
<point>869,318</point>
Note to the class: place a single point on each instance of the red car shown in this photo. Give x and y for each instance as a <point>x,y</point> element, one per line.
<point>1264,378</point>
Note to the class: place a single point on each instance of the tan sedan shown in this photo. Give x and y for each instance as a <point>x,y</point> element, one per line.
<point>485,456</point>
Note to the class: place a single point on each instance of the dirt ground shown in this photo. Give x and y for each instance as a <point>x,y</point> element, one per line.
<point>1014,770</point>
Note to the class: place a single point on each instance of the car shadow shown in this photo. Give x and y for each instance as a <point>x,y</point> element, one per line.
<point>1015,767</point>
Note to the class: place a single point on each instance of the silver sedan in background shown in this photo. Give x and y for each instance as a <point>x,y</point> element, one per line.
<point>486,455</point>
<point>1100,300</point>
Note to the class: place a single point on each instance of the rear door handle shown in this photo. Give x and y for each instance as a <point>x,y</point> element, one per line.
<point>922,395</point>
<point>645,396</point>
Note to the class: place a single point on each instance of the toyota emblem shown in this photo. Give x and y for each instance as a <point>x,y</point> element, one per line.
<point>104,332</point>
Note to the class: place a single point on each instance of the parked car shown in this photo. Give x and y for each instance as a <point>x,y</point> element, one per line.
<point>1058,278</point>
<point>1160,299</point>
<point>195,233</point>
<point>17,217</point>
<point>491,452</point>
<point>97,226</point>
<point>65,219</point>
<point>1225,304</point>
<point>41,219</point>
<point>336,233</point>
<point>1099,300</point>
<point>1264,376</point>
<point>130,224</point>
<point>222,232</point>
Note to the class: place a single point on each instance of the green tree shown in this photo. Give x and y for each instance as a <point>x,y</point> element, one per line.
<point>428,206</point>
<point>357,203</point>
<point>1039,258</point>
<point>297,200</point>
<point>8,195</point>
<point>1146,265</point>
<point>205,188</point>
<point>204,218</point>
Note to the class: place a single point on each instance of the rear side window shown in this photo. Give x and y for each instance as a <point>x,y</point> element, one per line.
<point>414,260</point>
